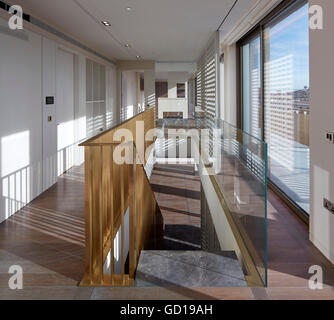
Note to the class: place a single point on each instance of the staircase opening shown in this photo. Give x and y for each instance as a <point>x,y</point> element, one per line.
<point>158,218</point>
<point>188,257</point>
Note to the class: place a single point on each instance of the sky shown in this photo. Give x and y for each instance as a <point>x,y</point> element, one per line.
<point>291,37</point>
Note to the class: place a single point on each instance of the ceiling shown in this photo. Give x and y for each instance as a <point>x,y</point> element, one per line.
<point>163,69</point>
<point>161,30</point>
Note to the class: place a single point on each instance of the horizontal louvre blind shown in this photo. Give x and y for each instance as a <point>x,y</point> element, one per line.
<point>210,80</point>
<point>207,90</point>
<point>206,81</point>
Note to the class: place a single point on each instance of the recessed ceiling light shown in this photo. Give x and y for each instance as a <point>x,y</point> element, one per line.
<point>127,45</point>
<point>106,23</point>
<point>128,9</point>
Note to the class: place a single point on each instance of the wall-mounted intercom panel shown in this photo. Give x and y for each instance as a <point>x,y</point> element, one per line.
<point>49,100</point>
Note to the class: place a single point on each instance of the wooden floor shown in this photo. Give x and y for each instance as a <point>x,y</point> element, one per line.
<point>290,253</point>
<point>46,238</point>
<point>178,193</point>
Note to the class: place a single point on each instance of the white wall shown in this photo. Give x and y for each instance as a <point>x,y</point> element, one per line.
<point>173,79</point>
<point>173,105</point>
<point>132,91</point>
<point>28,141</point>
<point>129,94</point>
<point>149,88</point>
<point>148,67</point>
<point>20,119</point>
<point>321,121</point>
<point>49,128</point>
<point>64,109</point>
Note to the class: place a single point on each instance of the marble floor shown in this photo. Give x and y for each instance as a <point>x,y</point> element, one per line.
<point>170,268</point>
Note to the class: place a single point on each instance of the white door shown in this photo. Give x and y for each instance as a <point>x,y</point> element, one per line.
<point>65,110</point>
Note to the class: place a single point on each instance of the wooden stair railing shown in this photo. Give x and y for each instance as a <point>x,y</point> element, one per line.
<point>112,190</point>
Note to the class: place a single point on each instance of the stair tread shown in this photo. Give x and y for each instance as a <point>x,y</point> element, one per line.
<point>190,269</point>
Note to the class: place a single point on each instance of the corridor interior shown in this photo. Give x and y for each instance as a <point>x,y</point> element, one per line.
<point>47,237</point>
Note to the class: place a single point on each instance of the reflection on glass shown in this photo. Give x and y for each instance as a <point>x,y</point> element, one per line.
<point>237,162</point>
<point>251,68</point>
<point>286,104</point>
<point>243,185</point>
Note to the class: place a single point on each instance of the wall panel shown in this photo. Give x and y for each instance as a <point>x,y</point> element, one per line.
<point>28,140</point>
<point>20,119</point>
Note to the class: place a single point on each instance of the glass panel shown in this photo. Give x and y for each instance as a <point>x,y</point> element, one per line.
<point>243,183</point>
<point>238,163</point>
<point>287,105</point>
<point>251,87</point>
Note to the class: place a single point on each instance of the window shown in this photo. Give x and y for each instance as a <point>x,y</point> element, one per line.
<point>251,87</point>
<point>181,90</point>
<point>275,93</point>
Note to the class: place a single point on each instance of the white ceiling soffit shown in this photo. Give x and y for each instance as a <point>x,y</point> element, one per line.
<point>178,77</point>
<point>161,76</point>
<point>244,16</point>
<point>161,30</point>
<point>189,67</point>
<point>163,69</point>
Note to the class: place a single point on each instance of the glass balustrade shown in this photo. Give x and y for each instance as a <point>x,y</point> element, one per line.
<point>237,162</point>
<point>242,181</point>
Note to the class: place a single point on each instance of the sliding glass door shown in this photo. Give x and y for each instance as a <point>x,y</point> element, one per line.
<point>287,104</point>
<point>275,93</point>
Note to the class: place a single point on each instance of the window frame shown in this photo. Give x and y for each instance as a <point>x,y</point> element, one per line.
<point>283,10</point>
<point>181,87</point>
